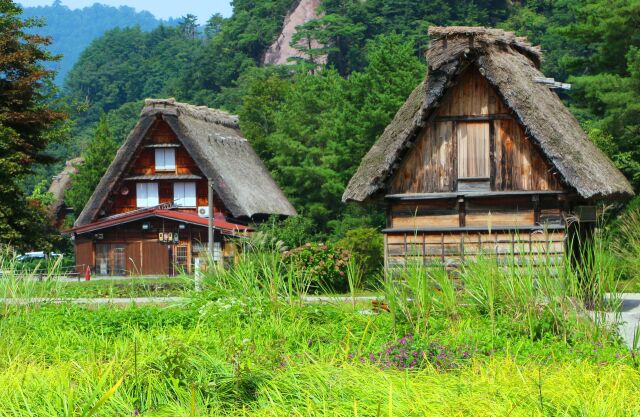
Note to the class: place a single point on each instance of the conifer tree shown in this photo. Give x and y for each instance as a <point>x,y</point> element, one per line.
<point>28,123</point>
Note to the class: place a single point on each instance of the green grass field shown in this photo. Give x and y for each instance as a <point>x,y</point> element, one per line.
<point>495,342</point>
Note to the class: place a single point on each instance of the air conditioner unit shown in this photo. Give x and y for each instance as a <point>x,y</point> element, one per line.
<point>203,211</point>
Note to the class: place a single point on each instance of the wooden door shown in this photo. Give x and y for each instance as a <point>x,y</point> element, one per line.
<point>84,254</point>
<point>473,150</point>
<point>155,258</point>
<point>134,260</point>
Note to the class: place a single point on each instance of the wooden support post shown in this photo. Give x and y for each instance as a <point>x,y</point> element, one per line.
<point>492,155</point>
<point>536,208</point>
<point>386,258</point>
<point>461,212</point>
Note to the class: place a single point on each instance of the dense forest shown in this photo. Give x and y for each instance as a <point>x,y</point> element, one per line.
<point>72,30</point>
<point>312,125</point>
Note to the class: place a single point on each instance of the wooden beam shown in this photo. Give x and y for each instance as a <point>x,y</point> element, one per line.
<point>461,212</point>
<point>481,118</point>
<point>470,194</point>
<point>472,229</point>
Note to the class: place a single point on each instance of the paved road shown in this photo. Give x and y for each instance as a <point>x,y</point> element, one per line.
<point>95,301</point>
<point>628,318</point>
<point>64,278</point>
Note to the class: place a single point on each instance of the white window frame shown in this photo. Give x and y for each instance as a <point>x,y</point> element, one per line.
<point>147,194</point>
<point>165,159</point>
<point>184,194</point>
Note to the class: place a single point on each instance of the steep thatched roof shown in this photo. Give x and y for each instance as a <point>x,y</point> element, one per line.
<point>511,65</point>
<point>59,185</point>
<point>213,139</point>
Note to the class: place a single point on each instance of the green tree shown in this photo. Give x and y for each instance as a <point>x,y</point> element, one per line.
<point>97,159</point>
<point>188,25</point>
<point>330,35</point>
<point>28,123</point>
<point>313,130</point>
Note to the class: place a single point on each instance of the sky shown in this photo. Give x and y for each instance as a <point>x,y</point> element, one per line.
<point>162,9</point>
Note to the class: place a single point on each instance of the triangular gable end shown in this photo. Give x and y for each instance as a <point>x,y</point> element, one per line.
<point>472,139</point>
<point>142,166</point>
<point>215,150</point>
<point>511,65</point>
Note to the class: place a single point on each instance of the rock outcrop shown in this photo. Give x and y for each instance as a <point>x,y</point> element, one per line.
<point>280,52</point>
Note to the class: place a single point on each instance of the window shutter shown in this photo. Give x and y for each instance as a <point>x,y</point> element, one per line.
<point>184,194</point>
<point>141,195</point>
<point>178,194</point>
<point>170,159</point>
<point>190,194</point>
<point>152,194</point>
<point>159,158</point>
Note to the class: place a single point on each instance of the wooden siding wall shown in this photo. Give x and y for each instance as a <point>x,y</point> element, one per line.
<point>450,229</point>
<point>473,134</point>
<point>485,212</point>
<point>145,254</point>
<point>452,248</point>
<point>143,163</point>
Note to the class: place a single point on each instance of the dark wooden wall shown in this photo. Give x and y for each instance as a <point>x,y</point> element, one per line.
<point>473,142</point>
<point>473,134</point>
<point>143,163</point>
<point>452,248</point>
<point>145,254</point>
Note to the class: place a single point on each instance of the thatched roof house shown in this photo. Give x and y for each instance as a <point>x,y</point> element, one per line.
<point>511,65</point>
<point>483,156</point>
<point>213,139</point>
<point>185,182</point>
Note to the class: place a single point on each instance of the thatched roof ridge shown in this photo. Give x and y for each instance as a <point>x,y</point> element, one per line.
<point>214,141</point>
<point>510,64</point>
<point>170,106</point>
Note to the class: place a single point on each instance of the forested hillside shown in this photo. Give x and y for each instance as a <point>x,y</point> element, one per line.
<point>73,30</point>
<point>313,124</point>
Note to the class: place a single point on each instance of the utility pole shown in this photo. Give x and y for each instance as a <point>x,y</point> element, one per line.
<point>210,201</point>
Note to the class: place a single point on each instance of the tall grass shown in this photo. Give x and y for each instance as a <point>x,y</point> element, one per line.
<point>36,282</point>
<point>286,361</point>
<point>493,338</point>
<point>626,242</point>
<point>543,293</point>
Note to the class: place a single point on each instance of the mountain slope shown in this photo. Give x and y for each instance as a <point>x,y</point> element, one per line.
<point>73,30</point>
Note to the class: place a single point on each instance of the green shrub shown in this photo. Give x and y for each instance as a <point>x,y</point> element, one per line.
<point>292,231</point>
<point>325,265</point>
<point>366,246</point>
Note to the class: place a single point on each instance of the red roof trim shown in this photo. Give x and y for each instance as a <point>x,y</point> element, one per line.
<point>219,222</point>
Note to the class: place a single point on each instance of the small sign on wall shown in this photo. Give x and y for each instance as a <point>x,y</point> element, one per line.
<point>168,237</point>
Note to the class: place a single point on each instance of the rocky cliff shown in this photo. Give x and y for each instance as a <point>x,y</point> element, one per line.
<point>280,51</point>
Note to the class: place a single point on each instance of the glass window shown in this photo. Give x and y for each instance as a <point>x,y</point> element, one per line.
<point>165,159</point>
<point>146,194</point>
<point>184,194</point>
